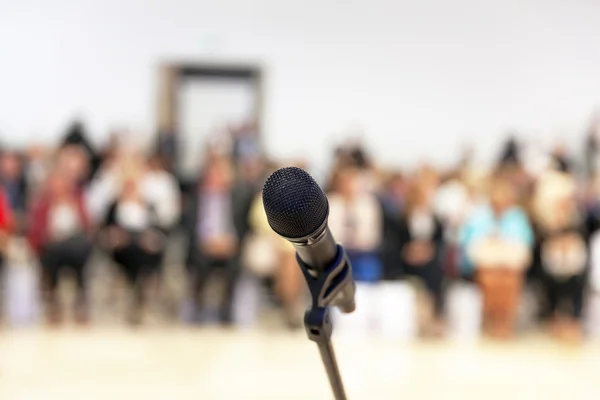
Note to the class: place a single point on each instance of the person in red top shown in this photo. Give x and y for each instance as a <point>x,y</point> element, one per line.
<point>7,223</point>
<point>59,233</point>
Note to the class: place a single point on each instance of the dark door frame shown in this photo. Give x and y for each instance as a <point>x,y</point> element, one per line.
<point>172,77</point>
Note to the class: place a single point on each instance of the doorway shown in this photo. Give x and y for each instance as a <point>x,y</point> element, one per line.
<point>204,105</point>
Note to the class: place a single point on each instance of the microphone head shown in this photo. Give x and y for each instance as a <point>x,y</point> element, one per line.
<point>295,205</point>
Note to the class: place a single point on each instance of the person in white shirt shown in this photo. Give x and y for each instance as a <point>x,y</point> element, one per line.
<point>356,221</point>
<point>156,186</point>
<point>138,204</point>
<point>561,257</point>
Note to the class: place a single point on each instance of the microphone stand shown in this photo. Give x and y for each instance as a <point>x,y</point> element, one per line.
<point>328,288</point>
<point>317,322</point>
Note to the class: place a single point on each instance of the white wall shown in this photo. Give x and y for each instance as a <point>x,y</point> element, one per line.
<point>206,108</point>
<point>418,76</point>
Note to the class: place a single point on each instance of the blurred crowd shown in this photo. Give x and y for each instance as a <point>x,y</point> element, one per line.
<point>528,222</point>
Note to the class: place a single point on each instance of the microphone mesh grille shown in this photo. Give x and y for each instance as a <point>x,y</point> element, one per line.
<point>294,203</point>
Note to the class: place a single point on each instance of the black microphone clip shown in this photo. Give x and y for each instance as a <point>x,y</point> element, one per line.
<point>331,287</point>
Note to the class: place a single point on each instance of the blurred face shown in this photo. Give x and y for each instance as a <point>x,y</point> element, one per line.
<point>560,149</point>
<point>564,208</point>
<point>398,188</point>
<point>428,178</point>
<point>217,177</point>
<point>74,163</point>
<point>10,166</point>
<point>417,197</point>
<point>156,163</point>
<point>421,199</point>
<point>502,197</point>
<point>58,185</point>
<point>348,184</point>
<point>251,170</point>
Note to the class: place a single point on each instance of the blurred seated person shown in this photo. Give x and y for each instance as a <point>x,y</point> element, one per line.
<point>127,162</point>
<point>393,200</point>
<point>394,193</point>
<point>155,185</point>
<point>268,254</point>
<point>421,248</point>
<point>561,257</point>
<point>12,180</point>
<point>13,183</point>
<point>355,219</point>
<point>453,203</point>
<point>496,246</point>
<point>519,178</point>
<point>135,240</point>
<point>59,230</point>
<point>7,225</point>
<point>216,223</point>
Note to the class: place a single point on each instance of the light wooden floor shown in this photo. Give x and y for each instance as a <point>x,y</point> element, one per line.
<point>212,364</point>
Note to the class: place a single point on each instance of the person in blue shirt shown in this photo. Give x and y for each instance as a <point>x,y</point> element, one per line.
<point>496,244</point>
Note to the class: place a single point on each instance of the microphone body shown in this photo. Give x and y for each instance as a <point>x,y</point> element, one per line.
<point>297,209</point>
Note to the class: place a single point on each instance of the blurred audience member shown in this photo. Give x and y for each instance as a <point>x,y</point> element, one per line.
<point>561,256</point>
<point>74,162</point>
<point>393,200</point>
<point>136,241</point>
<point>496,241</point>
<point>12,180</point>
<point>59,229</point>
<point>268,254</point>
<point>127,163</point>
<point>216,223</point>
<point>519,179</point>
<point>7,224</point>
<point>355,219</point>
<point>394,193</point>
<point>421,247</point>
<point>453,203</point>
<point>251,171</point>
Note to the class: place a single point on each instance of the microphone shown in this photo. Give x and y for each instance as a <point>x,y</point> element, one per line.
<point>297,210</point>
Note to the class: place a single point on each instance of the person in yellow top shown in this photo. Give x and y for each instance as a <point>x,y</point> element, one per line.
<point>268,254</point>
